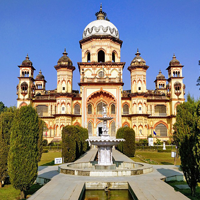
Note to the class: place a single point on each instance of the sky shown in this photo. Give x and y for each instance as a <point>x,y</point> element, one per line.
<point>44,28</point>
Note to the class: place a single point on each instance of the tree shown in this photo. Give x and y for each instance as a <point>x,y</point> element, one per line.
<point>2,107</point>
<point>6,119</point>
<point>23,154</point>
<point>186,136</point>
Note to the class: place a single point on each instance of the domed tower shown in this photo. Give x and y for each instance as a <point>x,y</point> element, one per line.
<point>100,73</point>
<point>25,88</point>
<point>176,88</point>
<point>138,69</point>
<point>160,82</point>
<point>40,83</point>
<point>65,70</point>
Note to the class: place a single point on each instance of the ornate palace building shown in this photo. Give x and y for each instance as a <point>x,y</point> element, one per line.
<point>101,82</point>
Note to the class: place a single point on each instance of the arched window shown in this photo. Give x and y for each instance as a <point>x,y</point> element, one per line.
<point>88,57</point>
<point>113,129</point>
<point>101,56</point>
<point>42,110</point>
<point>160,110</point>
<point>100,107</point>
<point>77,109</point>
<point>125,109</point>
<point>90,128</point>
<point>89,109</point>
<point>24,87</point>
<point>113,56</point>
<point>161,130</point>
<point>112,109</point>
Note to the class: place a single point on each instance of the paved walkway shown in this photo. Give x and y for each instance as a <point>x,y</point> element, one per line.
<point>145,186</point>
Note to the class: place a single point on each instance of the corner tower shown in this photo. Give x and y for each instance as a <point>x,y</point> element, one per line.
<point>100,74</point>
<point>26,87</point>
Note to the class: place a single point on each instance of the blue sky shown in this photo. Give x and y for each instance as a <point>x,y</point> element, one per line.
<point>43,28</point>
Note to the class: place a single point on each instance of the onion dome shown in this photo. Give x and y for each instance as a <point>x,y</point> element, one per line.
<point>39,76</point>
<point>27,62</point>
<point>160,76</point>
<point>101,26</point>
<point>138,60</point>
<point>174,61</point>
<point>65,60</point>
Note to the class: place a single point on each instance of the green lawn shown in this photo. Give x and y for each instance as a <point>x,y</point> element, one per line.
<point>186,192</point>
<point>10,193</point>
<point>48,158</point>
<point>154,157</point>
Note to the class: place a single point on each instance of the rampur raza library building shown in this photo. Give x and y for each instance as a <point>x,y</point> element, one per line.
<point>101,83</point>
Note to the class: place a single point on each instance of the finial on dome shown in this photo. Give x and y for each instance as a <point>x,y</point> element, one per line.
<point>174,56</point>
<point>100,15</point>
<point>65,52</point>
<point>138,53</point>
<point>40,72</point>
<point>27,58</point>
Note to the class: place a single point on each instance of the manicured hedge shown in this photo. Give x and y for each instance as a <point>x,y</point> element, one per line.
<point>73,142</point>
<point>127,147</point>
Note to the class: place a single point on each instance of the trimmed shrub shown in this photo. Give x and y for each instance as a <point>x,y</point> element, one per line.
<point>73,142</point>
<point>127,147</point>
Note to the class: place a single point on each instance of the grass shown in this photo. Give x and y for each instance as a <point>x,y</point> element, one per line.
<point>154,157</point>
<point>8,192</point>
<point>48,158</point>
<point>186,192</point>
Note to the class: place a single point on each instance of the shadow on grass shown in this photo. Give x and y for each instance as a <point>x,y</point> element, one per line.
<point>48,164</point>
<point>167,163</point>
<point>33,189</point>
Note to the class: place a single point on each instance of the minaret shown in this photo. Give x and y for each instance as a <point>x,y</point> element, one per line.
<point>175,88</point>
<point>138,69</point>
<point>65,70</point>
<point>160,83</point>
<point>40,83</point>
<point>175,79</point>
<point>25,88</point>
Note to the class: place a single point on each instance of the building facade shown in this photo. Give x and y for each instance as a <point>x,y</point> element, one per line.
<point>101,83</point>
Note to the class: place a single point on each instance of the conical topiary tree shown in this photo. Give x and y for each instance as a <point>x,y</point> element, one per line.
<point>23,154</point>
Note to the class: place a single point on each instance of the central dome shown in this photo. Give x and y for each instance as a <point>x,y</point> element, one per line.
<point>101,26</point>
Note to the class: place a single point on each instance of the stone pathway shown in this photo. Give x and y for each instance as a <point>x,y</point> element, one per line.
<point>145,186</point>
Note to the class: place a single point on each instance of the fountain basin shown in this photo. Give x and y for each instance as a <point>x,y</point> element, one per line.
<point>88,169</point>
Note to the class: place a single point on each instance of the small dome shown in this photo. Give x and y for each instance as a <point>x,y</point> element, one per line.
<point>101,26</point>
<point>138,60</point>
<point>174,61</point>
<point>160,76</point>
<point>65,60</point>
<point>39,76</point>
<point>27,62</point>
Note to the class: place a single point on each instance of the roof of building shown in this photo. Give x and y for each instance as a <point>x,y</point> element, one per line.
<point>138,60</point>
<point>65,59</point>
<point>174,61</point>
<point>27,62</point>
<point>160,76</point>
<point>40,76</point>
<point>101,26</point>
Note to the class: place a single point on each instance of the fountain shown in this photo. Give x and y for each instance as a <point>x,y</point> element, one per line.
<point>105,165</point>
<point>105,144</point>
